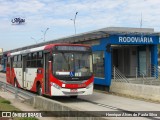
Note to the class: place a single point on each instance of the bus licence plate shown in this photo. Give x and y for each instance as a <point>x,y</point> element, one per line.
<point>74,90</point>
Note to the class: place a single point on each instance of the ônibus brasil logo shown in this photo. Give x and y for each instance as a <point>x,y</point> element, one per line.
<point>18,21</point>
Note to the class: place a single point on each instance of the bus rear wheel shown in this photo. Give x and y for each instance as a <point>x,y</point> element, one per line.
<point>39,90</point>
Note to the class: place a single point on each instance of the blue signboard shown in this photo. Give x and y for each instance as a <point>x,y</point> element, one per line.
<point>122,39</point>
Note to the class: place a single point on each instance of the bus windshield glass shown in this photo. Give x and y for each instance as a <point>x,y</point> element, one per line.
<point>72,64</point>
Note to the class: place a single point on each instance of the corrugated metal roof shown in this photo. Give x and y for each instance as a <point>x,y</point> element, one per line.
<point>92,35</point>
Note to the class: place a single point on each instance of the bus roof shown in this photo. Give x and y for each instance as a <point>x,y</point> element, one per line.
<point>45,47</point>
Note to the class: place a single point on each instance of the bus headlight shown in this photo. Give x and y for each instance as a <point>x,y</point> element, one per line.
<point>55,85</point>
<point>89,86</point>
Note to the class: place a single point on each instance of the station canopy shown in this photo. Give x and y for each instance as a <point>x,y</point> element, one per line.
<point>93,35</point>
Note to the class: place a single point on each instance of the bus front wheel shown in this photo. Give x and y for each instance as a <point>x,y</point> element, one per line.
<point>39,90</point>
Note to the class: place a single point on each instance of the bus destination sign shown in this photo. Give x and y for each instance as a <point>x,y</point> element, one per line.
<point>72,48</point>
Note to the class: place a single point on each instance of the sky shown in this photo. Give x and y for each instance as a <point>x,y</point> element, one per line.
<point>54,17</point>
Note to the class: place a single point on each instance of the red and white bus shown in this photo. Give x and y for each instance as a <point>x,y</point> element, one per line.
<point>54,70</point>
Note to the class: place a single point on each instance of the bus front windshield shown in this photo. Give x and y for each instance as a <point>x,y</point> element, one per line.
<point>72,64</point>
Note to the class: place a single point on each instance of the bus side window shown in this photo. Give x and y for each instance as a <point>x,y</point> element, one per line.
<point>40,63</point>
<point>33,63</point>
<point>28,64</point>
<point>15,58</point>
<point>8,61</point>
<point>15,61</point>
<point>29,56</point>
<point>33,59</point>
<point>34,55</point>
<point>40,55</point>
<point>28,60</point>
<point>19,63</point>
<point>40,59</point>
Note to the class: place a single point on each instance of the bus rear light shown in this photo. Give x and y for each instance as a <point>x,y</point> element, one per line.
<point>55,85</point>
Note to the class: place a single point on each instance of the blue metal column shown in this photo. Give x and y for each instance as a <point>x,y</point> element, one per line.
<point>108,68</point>
<point>106,81</point>
<point>100,47</point>
<point>154,59</point>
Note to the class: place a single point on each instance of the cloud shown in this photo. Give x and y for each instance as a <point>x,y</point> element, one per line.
<point>60,12</point>
<point>20,6</point>
<point>56,14</point>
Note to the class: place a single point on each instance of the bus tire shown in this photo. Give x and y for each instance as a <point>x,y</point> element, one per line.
<point>39,89</point>
<point>75,96</point>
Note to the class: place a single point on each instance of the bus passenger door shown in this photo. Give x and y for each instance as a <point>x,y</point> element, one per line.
<point>10,70</point>
<point>24,72</point>
<point>46,73</point>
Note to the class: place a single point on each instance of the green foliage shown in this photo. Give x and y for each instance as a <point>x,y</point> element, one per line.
<point>6,102</point>
<point>5,105</point>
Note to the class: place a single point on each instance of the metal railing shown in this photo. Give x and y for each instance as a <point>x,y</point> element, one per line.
<point>16,91</point>
<point>146,81</point>
<point>155,71</point>
<point>149,77</point>
<point>118,76</point>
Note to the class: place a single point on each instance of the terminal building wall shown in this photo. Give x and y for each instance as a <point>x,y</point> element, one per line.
<point>129,56</point>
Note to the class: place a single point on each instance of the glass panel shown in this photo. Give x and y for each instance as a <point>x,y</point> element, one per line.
<point>83,64</point>
<point>98,64</point>
<point>40,55</point>
<point>19,64</point>
<point>80,64</point>
<point>34,55</point>
<point>33,63</point>
<point>8,62</point>
<point>19,57</point>
<point>28,64</point>
<point>15,58</point>
<point>63,62</point>
<point>29,56</point>
<point>39,63</point>
<point>14,64</point>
